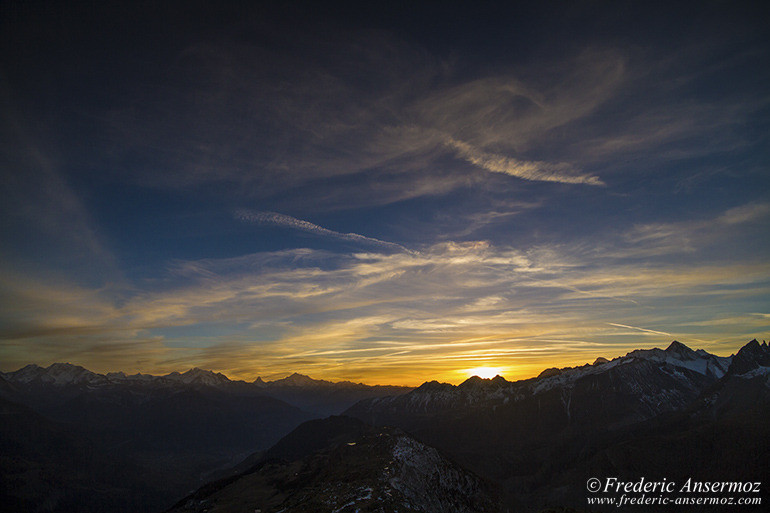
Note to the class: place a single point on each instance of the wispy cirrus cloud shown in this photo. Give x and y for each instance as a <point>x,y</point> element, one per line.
<point>744,214</point>
<point>375,315</point>
<point>317,125</point>
<point>689,236</point>
<point>526,170</point>
<point>276,219</point>
<point>40,206</point>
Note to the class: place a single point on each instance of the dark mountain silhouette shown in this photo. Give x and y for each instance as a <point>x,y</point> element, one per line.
<point>639,386</point>
<point>323,397</point>
<point>168,433</point>
<point>751,357</point>
<point>148,440</point>
<point>319,397</point>
<point>672,412</point>
<point>340,464</point>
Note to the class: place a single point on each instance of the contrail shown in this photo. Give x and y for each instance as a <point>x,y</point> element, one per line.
<point>640,329</point>
<point>274,218</point>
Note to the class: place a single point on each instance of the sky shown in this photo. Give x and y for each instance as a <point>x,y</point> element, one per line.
<point>386,193</point>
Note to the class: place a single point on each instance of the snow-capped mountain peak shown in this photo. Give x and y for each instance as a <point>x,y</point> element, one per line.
<point>198,376</point>
<point>681,356</point>
<point>66,373</point>
<point>26,374</point>
<point>659,379</point>
<point>298,380</point>
<point>681,351</point>
<point>56,374</point>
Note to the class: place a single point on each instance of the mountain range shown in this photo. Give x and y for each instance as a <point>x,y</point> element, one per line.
<point>143,440</point>
<point>673,413</point>
<point>67,374</point>
<point>74,440</point>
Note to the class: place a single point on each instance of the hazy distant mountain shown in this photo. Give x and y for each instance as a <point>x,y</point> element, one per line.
<point>324,397</point>
<point>319,397</point>
<point>188,409</point>
<point>56,374</point>
<point>342,465</point>
<point>175,431</point>
<point>198,376</point>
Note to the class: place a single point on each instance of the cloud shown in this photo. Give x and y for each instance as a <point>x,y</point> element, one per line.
<point>375,315</point>
<point>505,109</point>
<point>691,236</point>
<point>269,121</point>
<point>41,210</point>
<point>526,170</point>
<point>745,213</point>
<point>640,329</point>
<point>372,315</point>
<point>274,218</point>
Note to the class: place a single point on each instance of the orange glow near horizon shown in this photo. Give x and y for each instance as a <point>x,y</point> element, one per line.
<point>484,372</point>
<point>411,371</point>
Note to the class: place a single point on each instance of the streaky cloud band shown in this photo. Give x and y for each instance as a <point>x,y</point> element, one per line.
<point>640,329</point>
<point>526,170</point>
<point>277,219</point>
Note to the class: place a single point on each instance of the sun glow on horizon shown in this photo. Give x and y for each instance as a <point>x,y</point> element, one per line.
<point>484,372</point>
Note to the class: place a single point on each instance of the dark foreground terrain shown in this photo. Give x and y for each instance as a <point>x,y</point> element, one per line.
<point>341,464</point>
<point>492,445</point>
<point>673,413</point>
<point>76,441</point>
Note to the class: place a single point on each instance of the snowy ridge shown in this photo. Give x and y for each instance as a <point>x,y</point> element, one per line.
<point>567,376</point>
<point>56,374</point>
<point>62,374</point>
<point>676,356</point>
<point>679,355</point>
<point>198,376</point>
<point>67,374</point>
<point>758,372</point>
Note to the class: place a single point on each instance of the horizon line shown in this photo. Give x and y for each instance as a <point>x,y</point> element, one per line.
<point>259,378</point>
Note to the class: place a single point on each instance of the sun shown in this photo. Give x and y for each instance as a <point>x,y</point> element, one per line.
<point>484,372</point>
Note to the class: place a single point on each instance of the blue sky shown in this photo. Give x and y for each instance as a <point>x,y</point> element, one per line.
<point>383,194</point>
